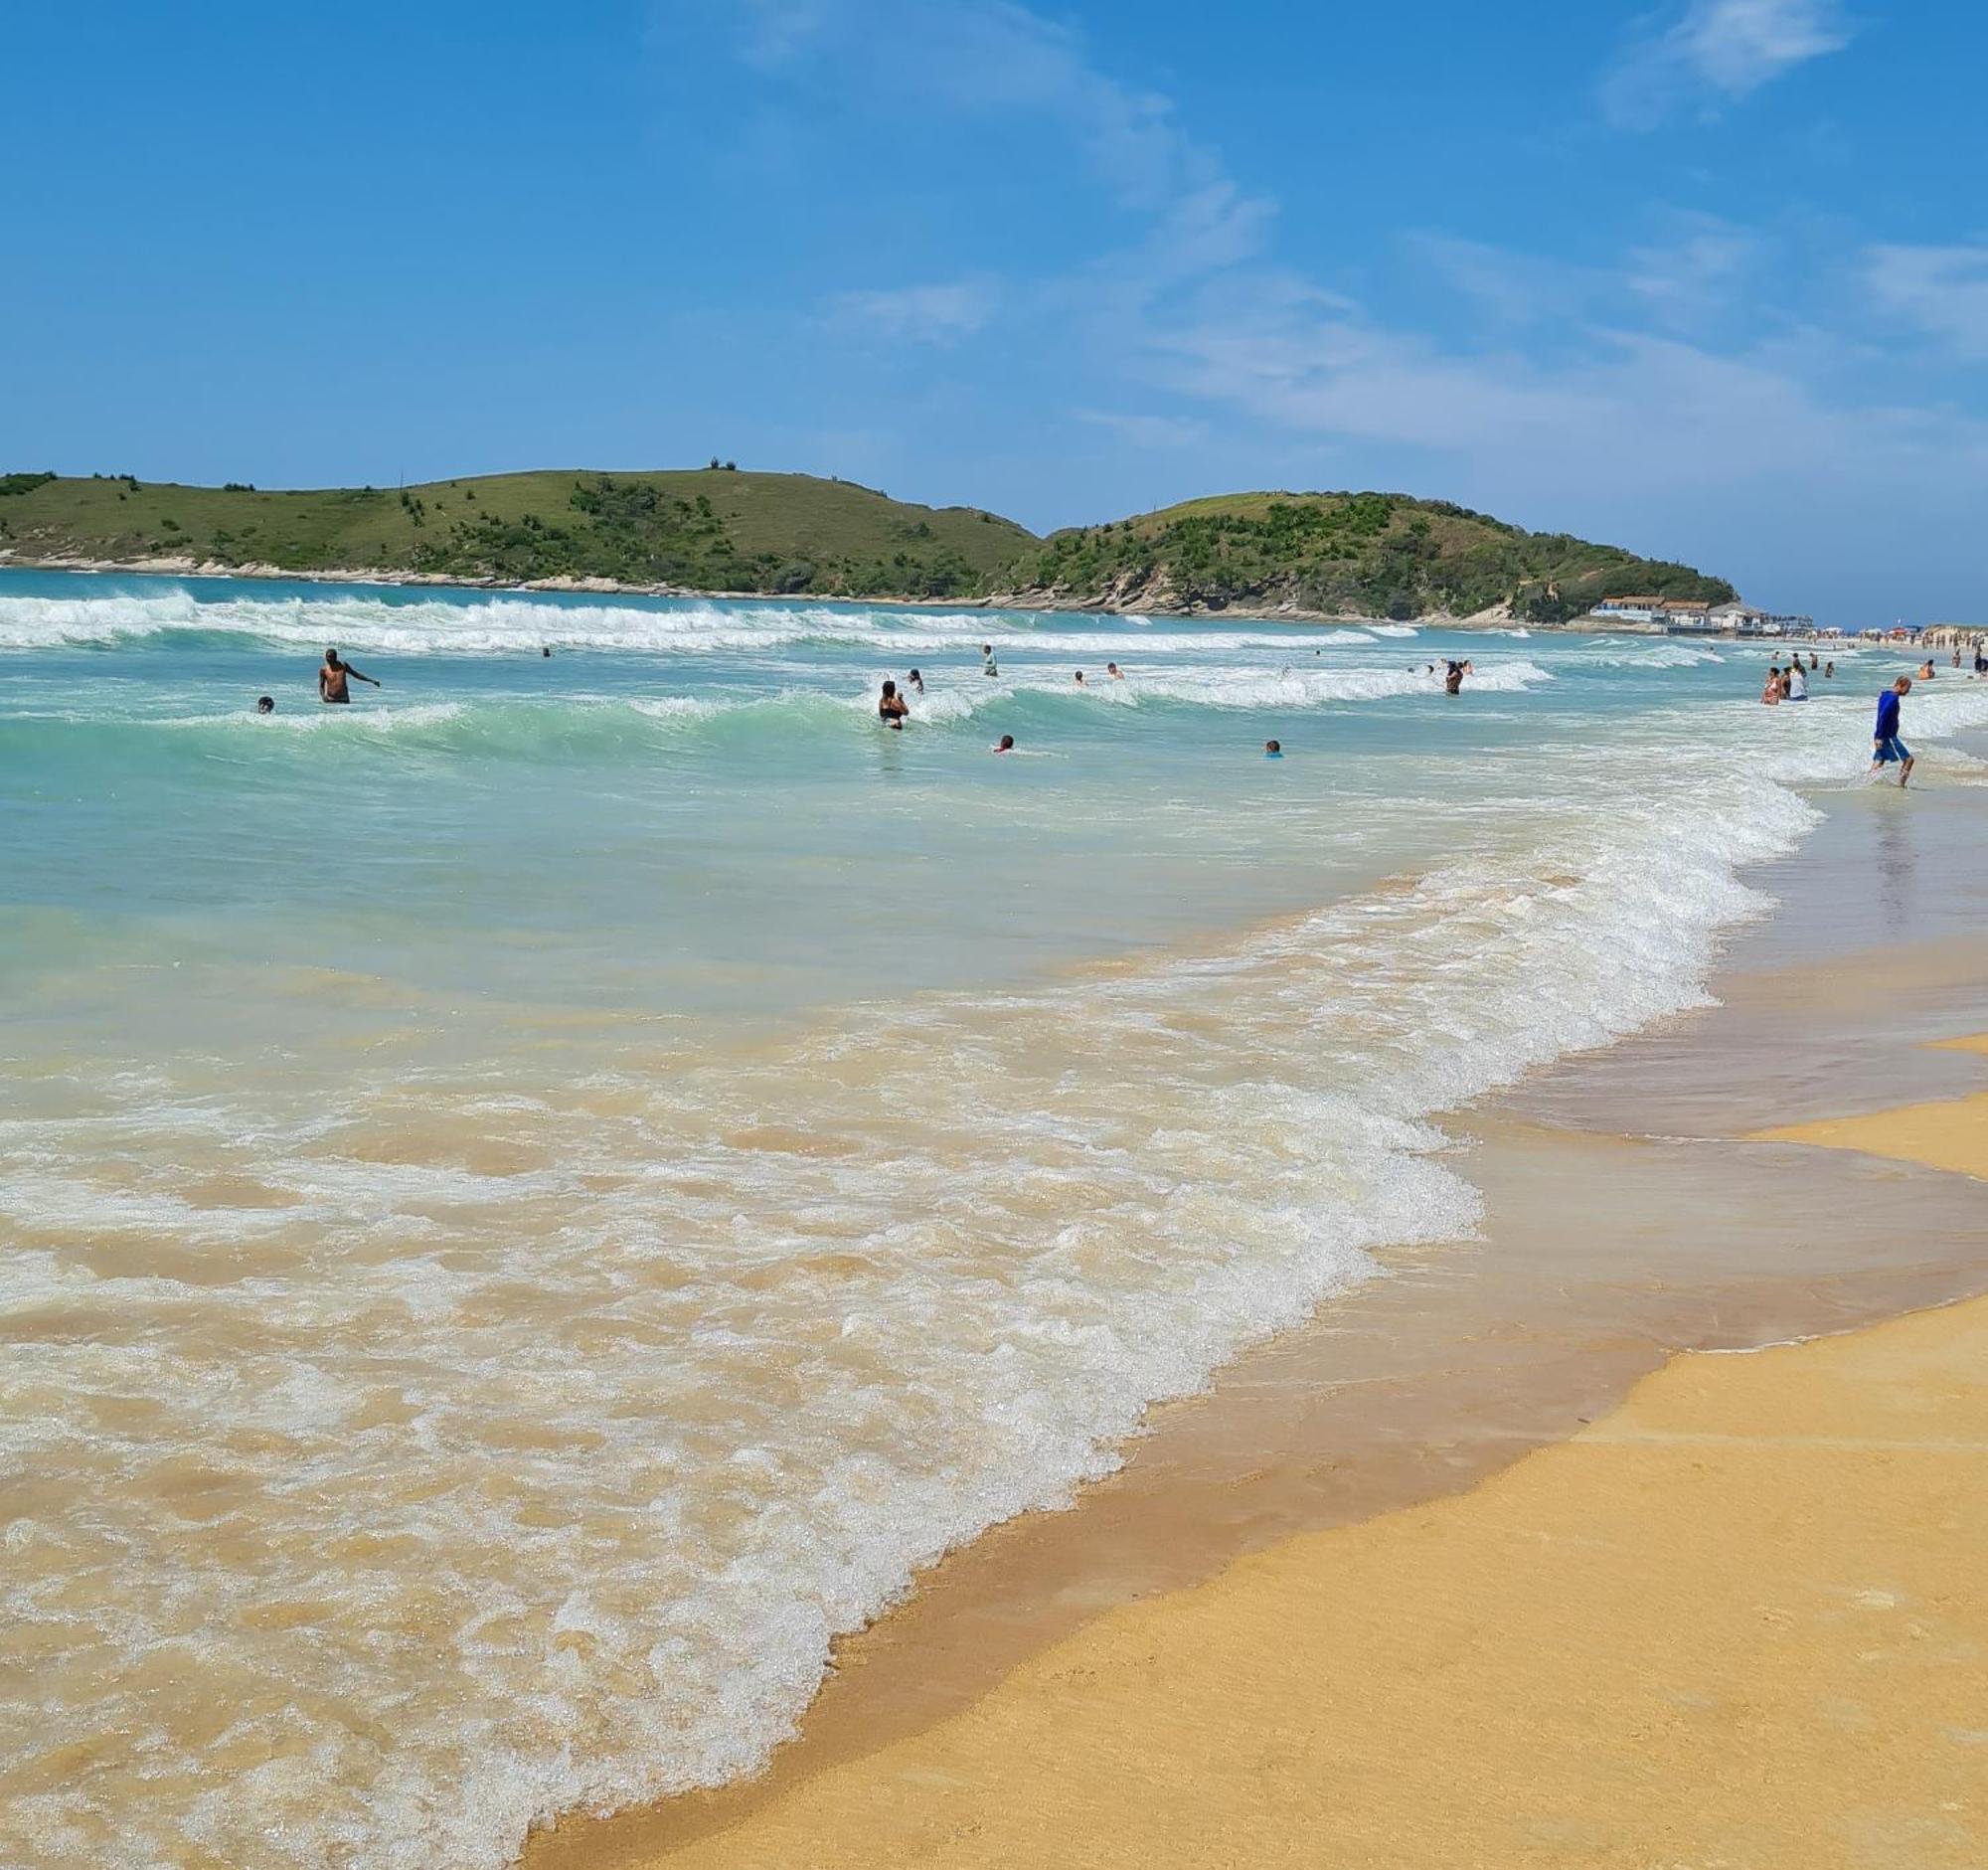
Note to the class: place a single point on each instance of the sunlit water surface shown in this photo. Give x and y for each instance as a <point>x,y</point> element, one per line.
<point>530,1203</point>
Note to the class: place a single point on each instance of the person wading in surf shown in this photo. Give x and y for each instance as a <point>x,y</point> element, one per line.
<point>331,678</point>
<point>1887,749</point>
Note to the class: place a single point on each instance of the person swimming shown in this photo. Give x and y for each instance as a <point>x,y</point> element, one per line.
<point>1273,749</point>
<point>545,650</point>
<point>1771,690</point>
<point>1795,683</point>
<point>1079,678</point>
<point>987,661</point>
<point>892,708</point>
<point>265,704</point>
<point>915,680</point>
<point>331,678</point>
<point>1452,678</point>
<point>1115,671</point>
<point>1006,744</point>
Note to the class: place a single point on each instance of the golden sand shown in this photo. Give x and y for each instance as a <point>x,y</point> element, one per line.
<point>1741,1622</point>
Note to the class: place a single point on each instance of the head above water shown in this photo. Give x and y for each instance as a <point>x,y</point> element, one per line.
<point>331,658</point>
<point>1275,748</point>
<point>890,689</point>
<point>265,704</point>
<point>1903,685</point>
<point>1006,743</point>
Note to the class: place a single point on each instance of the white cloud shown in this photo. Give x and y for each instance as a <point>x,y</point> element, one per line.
<point>1662,397</point>
<point>921,314</point>
<point>991,58</point>
<point>1148,431</point>
<point>1943,290</point>
<point>1695,273</point>
<point>1719,50</point>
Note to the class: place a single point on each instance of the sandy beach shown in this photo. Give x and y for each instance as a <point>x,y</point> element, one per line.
<point>1736,1621</point>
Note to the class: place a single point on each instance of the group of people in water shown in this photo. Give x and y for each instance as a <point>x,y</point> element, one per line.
<point>893,708</point>
<point>1791,683</point>
<point>335,677</point>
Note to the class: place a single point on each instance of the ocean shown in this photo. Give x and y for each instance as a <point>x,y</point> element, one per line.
<point>531,1203</point>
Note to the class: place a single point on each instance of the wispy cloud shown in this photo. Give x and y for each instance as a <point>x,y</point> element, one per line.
<point>1696,273</point>
<point>1148,431</point>
<point>1717,50</point>
<point>920,314</point>
<point>992,58</point>
<point>1659,395</point>
<point>1943,290</point>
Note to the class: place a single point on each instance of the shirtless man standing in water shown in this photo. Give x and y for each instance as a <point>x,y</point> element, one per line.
<point>331,678</point>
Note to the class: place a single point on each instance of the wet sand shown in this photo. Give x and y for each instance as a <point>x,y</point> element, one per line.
<point>1630,1210</point>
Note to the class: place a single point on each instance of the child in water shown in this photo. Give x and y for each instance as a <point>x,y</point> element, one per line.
<point>1273,749</point>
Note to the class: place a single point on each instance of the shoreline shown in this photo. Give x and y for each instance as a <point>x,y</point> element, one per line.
<point>1498,620</point>
<point>1333,1427</point>
<point>1764,1563</point>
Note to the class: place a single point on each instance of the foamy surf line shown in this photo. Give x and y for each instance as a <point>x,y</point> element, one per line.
<point>1075,1235</point>
<point>523,625</point>
<point>495,1412</point>
<point>534,726</point>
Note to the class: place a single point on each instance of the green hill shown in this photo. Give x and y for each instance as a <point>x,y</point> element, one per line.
<point>1342,553</point>
<point>715,529</point>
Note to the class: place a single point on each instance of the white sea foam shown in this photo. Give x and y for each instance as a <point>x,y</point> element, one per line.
<point>520,625</point>
<point>477,1429</point>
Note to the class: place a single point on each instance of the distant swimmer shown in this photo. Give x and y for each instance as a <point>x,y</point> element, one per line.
<point>1926,670</point>
<point>1006,744</point>
<point>915,680</point>
<point>1797,683</point>
<point>1273,749</point>
<point>331,678</point>
<point>1771,690</point>
<point>1980,660</point>
<point>1453,677</point>
<point>265,704</point>
<point>987,661</point>
<point>1079,678</point>
<point>1829,670</point>
<point>1887,749</point>
<point>1115,671</point>
<point>546,649</point>
<point>891,707</point>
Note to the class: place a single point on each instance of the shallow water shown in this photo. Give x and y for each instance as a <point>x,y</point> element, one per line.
<point>530,1204</point>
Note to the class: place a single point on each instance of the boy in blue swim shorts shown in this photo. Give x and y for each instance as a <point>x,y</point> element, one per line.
<point>1887,747</point>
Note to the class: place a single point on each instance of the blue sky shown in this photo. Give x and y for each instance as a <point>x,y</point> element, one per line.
<point>1710,280</point>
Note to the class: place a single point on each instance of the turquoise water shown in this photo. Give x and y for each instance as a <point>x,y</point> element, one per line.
<point>531,1203</point>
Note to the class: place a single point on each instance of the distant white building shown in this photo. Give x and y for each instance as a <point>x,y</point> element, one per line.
<point>1631,610</point>
<point>1735,616</point>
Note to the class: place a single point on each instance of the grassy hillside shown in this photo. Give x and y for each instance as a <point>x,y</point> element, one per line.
<point>1347,554</point>
<point>709,529</point>
<point>1353,553</point>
